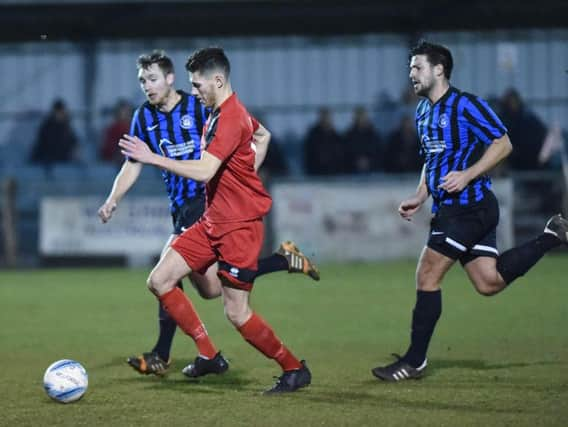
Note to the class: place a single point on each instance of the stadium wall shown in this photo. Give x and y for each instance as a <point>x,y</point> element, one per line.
<point>287,79</point>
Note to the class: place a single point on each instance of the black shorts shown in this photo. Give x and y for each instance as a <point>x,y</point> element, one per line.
<point>186,215</point>
<point>466,232</point>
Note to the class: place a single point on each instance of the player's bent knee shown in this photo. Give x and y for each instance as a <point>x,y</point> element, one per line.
<point>426,281</point>
<point>207,288</point>
<point>486,291</point>
<point>488,284</point>
<point>153,286</point>
<point>206,293</point>
<point>233,317</point>
<point>237,315</point>
<point>488,287</point>
<point>426,284</point>
<point>427,287</point>
<point>159,285</point>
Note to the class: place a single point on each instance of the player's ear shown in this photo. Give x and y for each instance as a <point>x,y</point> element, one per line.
<point>219,81</point>
<point>438,70</point>
<point>170,78</point>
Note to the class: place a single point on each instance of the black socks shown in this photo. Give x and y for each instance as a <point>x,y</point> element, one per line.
<point>517,261</point>
<point>426,313</point>
<point>274,262</point>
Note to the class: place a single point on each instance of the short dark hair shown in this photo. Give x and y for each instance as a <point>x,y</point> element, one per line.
<point>209,59</point>
<point>436,54</point>
<point>158,57</point>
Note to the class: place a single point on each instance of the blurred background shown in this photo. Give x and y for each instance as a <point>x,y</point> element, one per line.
<point>329,79</point>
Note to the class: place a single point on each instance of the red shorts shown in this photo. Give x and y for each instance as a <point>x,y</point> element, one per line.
<point>235,245</point>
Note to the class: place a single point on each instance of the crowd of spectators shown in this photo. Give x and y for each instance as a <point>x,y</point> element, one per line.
<point>388,144</point>
<point>382,140</point>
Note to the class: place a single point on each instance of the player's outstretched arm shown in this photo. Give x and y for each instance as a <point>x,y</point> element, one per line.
<point>456,181</point>
<point>200,170</point>
<point>261,139</point>
<point>410,206</point>
<point>125,179</point>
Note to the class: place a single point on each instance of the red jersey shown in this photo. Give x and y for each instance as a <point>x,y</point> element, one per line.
<point>235,193</point>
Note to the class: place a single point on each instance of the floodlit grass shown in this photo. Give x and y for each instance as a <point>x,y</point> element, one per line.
<point>493,361</point>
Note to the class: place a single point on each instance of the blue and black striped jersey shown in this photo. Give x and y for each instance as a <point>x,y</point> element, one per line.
<point>454,133</point>
<point>176,135</point>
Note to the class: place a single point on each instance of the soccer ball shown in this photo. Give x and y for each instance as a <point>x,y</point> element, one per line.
<point>65,381</point>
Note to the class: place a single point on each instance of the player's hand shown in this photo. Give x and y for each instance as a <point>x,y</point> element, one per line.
<point>134,148</point>
<point>106,210</point>
<point>455,181</point>
<point>409,207</point>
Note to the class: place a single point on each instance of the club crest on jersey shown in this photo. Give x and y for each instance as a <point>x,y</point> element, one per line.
<point>185,121</point>
<point>443,121</point>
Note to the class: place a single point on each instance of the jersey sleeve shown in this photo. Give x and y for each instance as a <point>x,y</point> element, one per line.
<point>226,139</point>
<point>419,111</point>
<point>136,129</point>
<point>482,120</point>
<point>255,124</point>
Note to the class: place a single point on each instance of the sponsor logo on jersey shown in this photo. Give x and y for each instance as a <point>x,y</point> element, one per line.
<point>433,145</point>
<point>169,149</point>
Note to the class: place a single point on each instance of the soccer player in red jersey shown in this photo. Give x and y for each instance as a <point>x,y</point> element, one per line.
<point>171,123</point>
<point>231,230</point>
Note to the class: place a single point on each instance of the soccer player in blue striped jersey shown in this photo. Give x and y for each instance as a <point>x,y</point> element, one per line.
<point>170,122</point>
<point>461,140</point>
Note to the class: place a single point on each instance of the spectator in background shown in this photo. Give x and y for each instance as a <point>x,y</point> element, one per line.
<point>389,112</point>
<point>323,147</point>
<point>364,145</point>
<point>401,152</point>
<point>56,141</point>
<point>526,130</point>
<point>274,164</point>
<point>120,125</point>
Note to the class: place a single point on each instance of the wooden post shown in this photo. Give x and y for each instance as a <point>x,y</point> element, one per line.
<point>8,210</point>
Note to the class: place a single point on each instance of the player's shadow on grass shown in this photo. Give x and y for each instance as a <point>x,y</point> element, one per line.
<point>482,365</point>
<point>233,379</point>
<point>379,394</point>
<point>211,384</point>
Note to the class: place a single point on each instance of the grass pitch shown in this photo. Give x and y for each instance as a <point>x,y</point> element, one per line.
<point>493,361</point>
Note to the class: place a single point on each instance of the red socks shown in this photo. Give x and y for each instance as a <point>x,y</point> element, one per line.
<point>180,308</point>
<point>261,336</point>
<point>255,331</point>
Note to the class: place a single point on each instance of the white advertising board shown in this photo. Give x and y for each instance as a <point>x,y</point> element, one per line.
<point>71,226</point>
<point>358,221</point>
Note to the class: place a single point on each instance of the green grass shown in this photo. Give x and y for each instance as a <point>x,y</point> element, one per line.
<point>493,361</point>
